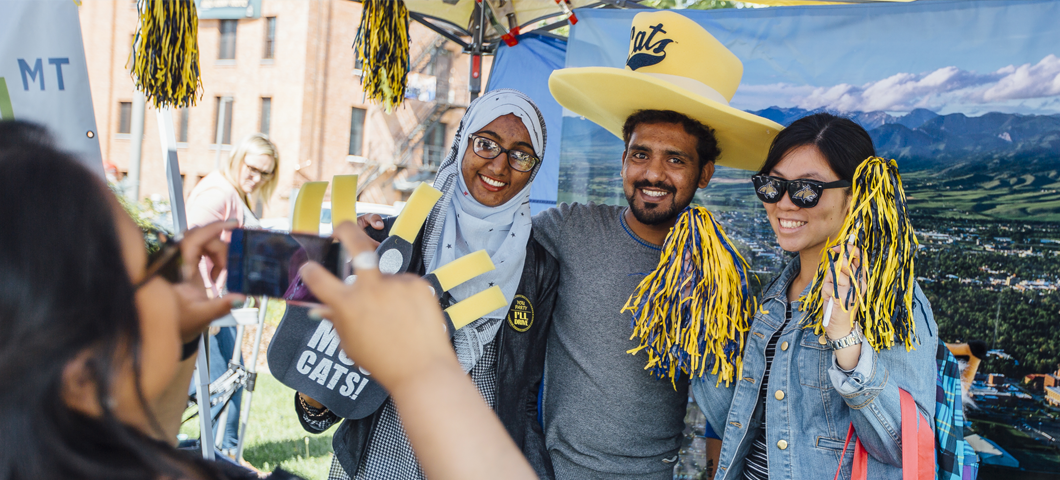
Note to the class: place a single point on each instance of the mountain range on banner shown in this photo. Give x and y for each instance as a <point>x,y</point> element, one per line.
<point>923,139</point>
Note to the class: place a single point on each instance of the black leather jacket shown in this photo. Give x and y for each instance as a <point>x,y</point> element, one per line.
<point>520,366</point>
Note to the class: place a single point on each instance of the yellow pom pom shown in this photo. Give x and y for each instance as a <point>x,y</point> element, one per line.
<point>165,57</point>
<point>382,46</point>
<point>692,312</point>
<point>880,228</point>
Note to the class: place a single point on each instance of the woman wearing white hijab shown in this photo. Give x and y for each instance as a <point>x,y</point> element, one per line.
<point>485,205</point>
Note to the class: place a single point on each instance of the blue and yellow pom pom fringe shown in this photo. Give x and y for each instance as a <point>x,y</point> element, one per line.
<point>382,46</point>
<point>691,314</point>
<point>878,224</point>
<point>165,58</point>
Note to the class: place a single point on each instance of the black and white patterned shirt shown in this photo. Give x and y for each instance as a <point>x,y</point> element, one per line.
<point>389,454</point>
<point>756,464</point>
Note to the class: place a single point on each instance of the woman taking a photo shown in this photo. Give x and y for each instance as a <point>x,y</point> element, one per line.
<point>787,417</point>
<point>91,329</point>
<point>485,205</point>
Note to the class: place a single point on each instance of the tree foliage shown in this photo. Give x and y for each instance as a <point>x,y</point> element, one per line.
<point>1026,321</point>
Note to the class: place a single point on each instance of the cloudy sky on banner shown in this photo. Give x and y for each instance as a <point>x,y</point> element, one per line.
<point>1027,88</point>
<point>948,56</point>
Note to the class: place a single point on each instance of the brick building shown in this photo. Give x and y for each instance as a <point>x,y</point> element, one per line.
<point>287,71</point>
<point>1052,396</point>
<point>1038,382</point>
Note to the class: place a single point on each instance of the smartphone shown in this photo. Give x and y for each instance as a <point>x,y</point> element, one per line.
<point>264,262</point>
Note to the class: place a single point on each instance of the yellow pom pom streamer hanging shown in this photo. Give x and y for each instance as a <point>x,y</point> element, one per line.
<point>166,52</point>
<point>879,226</point>
<point>691,313</point>
<point>382,46</point>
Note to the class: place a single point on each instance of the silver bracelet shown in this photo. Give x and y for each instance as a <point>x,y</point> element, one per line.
<point>853,338</point>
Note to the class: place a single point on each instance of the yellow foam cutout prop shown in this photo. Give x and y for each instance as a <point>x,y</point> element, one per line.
<point>474,307</point>
<point>306,215</point>
<point>407,226</point>
<point>343,199</point>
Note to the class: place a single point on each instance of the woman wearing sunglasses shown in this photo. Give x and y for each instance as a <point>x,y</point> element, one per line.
<point>788,414</point>
<point>485,182</point>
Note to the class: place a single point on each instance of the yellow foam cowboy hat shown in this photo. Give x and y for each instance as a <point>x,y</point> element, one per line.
<point>673,64</point>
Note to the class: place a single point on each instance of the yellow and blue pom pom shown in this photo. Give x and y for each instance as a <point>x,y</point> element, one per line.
<point>165,58</point>
<point>879,226</point>
<point>691,314</point>
<point>382,45</point>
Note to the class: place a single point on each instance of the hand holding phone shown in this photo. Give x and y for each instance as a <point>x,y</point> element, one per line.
<point>263,262</point>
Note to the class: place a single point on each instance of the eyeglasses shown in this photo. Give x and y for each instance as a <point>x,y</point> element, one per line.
<point>166,262</point>
<point>488,149</point>
<point>260,173</point>
<point>803,193</point>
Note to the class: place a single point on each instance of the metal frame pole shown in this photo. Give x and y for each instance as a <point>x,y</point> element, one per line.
<point>132,183</point>
<point>168,140</point>
<point>252,367</point>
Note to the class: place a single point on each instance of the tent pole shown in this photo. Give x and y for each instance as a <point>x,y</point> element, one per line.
<point>474,82</point>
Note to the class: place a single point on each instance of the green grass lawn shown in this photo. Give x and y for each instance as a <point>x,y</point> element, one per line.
<point>274,436</point>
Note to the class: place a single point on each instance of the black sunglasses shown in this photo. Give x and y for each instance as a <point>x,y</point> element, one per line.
<point>166,262</point>
<point>488,149</point>
<point>803,193</point>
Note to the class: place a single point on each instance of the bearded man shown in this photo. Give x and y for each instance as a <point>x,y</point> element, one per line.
<point>605,417</point>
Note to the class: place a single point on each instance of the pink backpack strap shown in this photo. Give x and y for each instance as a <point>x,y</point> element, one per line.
<point>861,457</point>
<point>918,446</point>
<point>918,442</point>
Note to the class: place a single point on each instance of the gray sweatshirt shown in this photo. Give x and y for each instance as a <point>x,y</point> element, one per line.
<point>605,416</point>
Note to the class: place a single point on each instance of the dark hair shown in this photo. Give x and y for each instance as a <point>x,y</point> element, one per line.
<point>842,142</point>
<point>65,291</point>
<point>14,133</point>
<point>706,146</point>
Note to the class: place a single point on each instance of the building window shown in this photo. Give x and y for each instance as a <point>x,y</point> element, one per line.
<point>356,130</point>
<point>226,131</point>
<point>228,40</point>
<point>357,63</point>
<point>266,115</point>
<point>434,145</point>
<point>182,126</point>
<point>270,38</point>
<point>125,117</point>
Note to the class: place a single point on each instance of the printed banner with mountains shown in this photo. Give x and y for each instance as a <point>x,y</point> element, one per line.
<point>923,139</point>
<point>997,165</point>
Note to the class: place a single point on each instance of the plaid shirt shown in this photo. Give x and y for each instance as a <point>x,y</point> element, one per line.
<point>955,459</point>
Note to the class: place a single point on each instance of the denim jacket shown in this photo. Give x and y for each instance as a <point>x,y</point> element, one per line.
<point>810,402</point>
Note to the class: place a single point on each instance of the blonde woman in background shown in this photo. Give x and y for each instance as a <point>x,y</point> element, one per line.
<point>230,193</point>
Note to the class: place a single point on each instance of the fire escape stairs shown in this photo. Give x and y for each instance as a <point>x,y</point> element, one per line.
<point>407,146</point>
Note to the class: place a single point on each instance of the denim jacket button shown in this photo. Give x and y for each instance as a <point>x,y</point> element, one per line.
<point>779,395</point>
<point>783,444</point>
<point>822,340</point>
<point>784,346</point>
